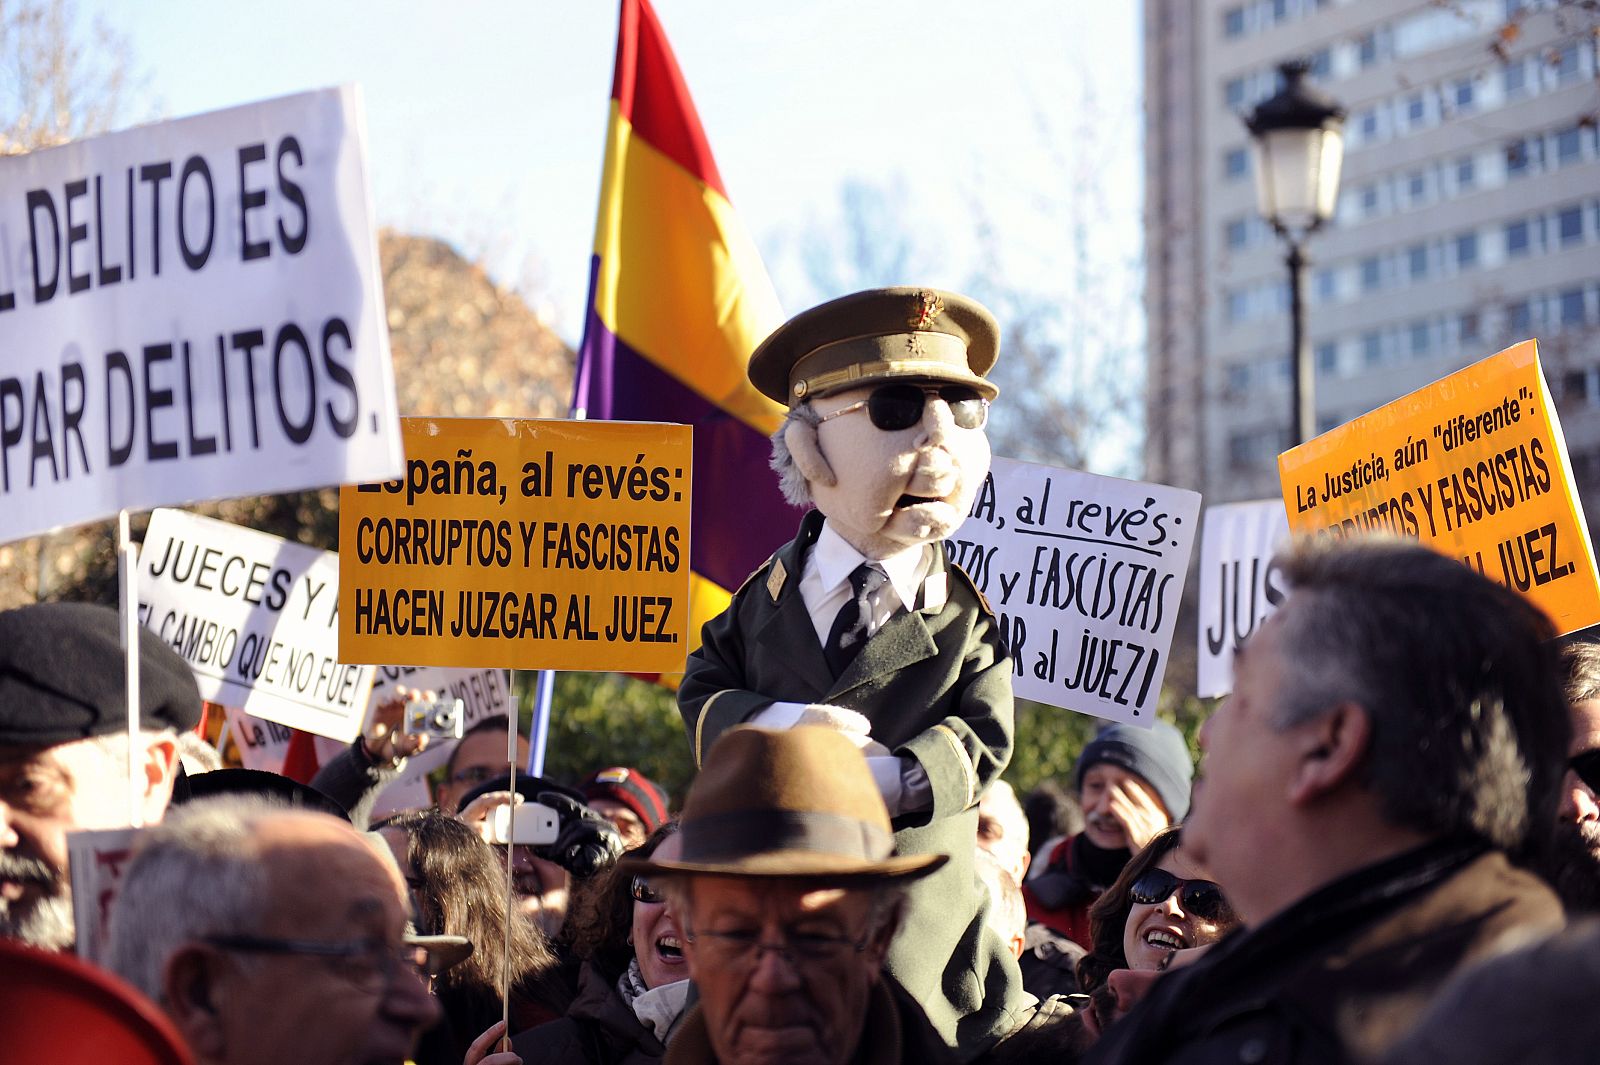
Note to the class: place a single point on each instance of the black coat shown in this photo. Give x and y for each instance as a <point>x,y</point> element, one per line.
<point>1343,973</point>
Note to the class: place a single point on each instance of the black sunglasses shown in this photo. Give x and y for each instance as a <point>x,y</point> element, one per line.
<point>641,891</point>
<point>1203,898</point>
<point>1587,765</point>
<point>896,407</point>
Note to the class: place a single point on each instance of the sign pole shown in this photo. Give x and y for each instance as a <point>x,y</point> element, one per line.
<point>543,694</point>
<point>128,586</point>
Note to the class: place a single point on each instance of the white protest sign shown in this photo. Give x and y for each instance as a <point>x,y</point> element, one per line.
<point>1239,588</point>
<point>192,310</point>
<point>256,617</point>
<point>95,863</point>
<point>262,744</point>
<point>1085,573</point>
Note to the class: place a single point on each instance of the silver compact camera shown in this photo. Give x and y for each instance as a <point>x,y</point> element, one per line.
<point>443,719</point>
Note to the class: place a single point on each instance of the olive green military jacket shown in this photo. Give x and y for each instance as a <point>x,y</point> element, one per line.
<point>935,681</point>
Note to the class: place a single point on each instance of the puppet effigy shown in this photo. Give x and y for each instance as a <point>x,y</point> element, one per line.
<point>862,625</point>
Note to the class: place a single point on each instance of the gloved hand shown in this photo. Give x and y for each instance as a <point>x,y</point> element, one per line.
<point>586,842</point>
<point>853,725</point>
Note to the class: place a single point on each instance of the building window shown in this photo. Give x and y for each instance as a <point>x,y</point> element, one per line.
<point>1327,359</point>
<point>1367,50</point>
<point>1519,319</point>
<point>1367,123</point>
<point>1327,286</point>
<point>1417,262</point>
<point>1233,22</point>
<point>1421,339</point>
<point>1572,310</point>
<point>1569,226</point>
<point>1371,274</point>
<point>1369,199</point>
<point>1463,96</point>
<point>1468,327</point>
<point>1239,379</point>
<point>1321,64</point>
<point>1518,241</point>
<point>1238,233</point>
<point>1567,66</point>
<point>1524,156</point>
<point>1466,173</point>
<point>1569,146</point>
<point>1417,187</point>
<point>1238,304</point>
<point>1466,250</point>
<point>1515,76</point>
<point>1235,163</point>
<point>1416,109</point>
<point>1372,349</point>
<point>1233,93</point>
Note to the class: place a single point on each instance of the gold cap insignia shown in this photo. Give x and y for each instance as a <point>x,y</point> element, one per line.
<point>928,307</point>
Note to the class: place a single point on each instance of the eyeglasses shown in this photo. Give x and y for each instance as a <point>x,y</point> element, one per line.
<point>1587,765</point>
<point>1203,898</point>
<point>744,947</point>
<point>641,891</point>
<point>477,774</point>
<point>896,407</point>
<point>368,964</point>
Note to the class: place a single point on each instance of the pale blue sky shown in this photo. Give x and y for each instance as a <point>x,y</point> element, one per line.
<point>486,125</point>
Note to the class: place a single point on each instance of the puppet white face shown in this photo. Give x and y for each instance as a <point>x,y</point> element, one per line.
<point>896,489</point>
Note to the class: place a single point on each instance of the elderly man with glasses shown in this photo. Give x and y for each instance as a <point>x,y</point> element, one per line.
<point>862,625</point>
<point>272,935</point>
<point>788,897</point>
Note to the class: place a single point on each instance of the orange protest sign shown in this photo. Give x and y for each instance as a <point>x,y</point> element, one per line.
<point>1475,466</point>
<point>529,544</point>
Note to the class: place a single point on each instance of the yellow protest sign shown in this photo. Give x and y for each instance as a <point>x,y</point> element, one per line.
<point>530,544</point>
<point>1475,466</point>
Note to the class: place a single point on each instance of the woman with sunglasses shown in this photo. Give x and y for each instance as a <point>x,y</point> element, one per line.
<point>1161,903</point>
<point>633,982</point>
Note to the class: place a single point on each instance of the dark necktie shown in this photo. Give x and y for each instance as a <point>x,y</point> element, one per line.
<point>849,630</point>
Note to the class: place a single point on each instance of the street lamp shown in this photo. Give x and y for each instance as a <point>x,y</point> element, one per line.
<point>1298,148</point>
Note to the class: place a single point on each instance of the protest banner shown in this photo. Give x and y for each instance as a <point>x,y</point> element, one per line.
<point>1474,466</point>
<point>96,861</point>
<point>192,310</point>
<point>1085,573</point>
<point>255,616</point>
<point>262,744</point>
<point>483,692</point>
<point>1239,586</point>
<point>530,544</point>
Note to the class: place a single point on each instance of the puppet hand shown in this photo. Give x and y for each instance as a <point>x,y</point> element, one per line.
<point>855,727</point>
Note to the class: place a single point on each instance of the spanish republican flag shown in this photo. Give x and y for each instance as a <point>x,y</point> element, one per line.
<point>678,299</point>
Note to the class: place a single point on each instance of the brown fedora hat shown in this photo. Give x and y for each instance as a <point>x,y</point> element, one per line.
<point>796,803</point>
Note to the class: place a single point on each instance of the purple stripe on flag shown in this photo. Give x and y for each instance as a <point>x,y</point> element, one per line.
<point>739,515</point>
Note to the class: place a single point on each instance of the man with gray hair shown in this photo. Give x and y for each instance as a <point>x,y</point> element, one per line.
<point>1395,732</point>
<point>64,750</point>
<point>271,934</point>
<point>788,895</point>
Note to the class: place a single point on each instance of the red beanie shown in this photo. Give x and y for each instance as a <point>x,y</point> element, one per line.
<point>632,789</point>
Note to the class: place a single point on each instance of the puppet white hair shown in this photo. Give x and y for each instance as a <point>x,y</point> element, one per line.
<point>791,479</point>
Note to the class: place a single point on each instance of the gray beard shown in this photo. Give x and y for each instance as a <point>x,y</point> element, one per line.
<point>1575,866</point>
<point>44,922</point>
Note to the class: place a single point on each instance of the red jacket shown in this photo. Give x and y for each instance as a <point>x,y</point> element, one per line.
<point>1072,920</point>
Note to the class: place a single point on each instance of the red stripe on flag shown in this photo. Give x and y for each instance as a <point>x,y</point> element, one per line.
<point>652,95</point>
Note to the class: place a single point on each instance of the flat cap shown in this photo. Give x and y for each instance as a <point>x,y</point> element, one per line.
<point>61,676</point>
<point>883,334</point>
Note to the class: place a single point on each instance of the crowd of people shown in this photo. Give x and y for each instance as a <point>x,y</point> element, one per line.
<point>1395,824</point>
<point>1386,855</point>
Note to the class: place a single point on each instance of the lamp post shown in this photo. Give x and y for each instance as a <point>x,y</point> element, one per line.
<point>1297,141</point>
